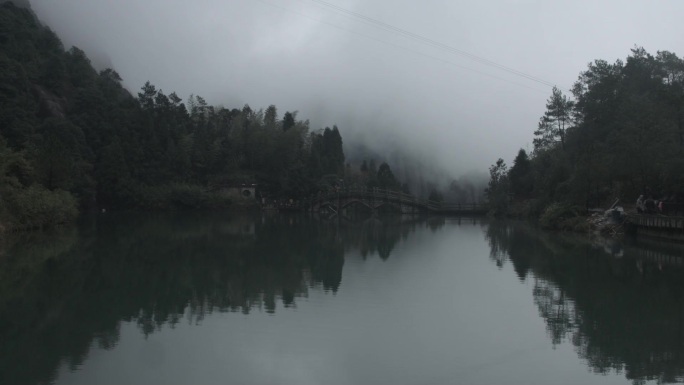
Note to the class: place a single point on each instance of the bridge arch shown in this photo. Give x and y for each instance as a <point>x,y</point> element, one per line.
<point>392,206</point>
<point>356,201</point>
<point>327,206</point>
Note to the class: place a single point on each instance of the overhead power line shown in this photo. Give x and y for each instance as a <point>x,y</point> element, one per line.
<point>432,42</point>
<point>402,47</point>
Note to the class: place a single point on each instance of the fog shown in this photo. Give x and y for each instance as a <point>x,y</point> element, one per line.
<point>390,92</point>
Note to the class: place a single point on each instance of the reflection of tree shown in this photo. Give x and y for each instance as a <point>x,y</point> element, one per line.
<point>622,315</point>
<point>60,294</point>
<point>58,297</point>
<point>499,240</point>
<point>380,235</point>
<point>436,223</point>
<point>376,236</point>
<point>502,241</point>
<point>556,310</point>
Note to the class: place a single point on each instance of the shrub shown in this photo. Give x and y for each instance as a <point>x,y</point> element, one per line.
<point>558,216</point>
<point>178,196</point>
<point>37,207</point>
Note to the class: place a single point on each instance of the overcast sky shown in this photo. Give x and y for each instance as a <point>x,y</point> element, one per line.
<point>380,87</point>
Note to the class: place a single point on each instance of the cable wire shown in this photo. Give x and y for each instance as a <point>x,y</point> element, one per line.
<point>404,48</point>
<point>434,43</point>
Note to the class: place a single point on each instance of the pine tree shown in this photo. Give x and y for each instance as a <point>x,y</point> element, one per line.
<point>553,125</point>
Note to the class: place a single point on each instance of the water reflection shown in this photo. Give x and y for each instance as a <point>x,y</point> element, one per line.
<point>621,306</point>
<point>430,305</point>
<point>62,292</point>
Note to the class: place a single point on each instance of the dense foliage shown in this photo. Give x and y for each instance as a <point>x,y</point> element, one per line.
<point>72,138</point>
<point>622,135</point>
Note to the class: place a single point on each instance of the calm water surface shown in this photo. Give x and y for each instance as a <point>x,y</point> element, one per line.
<point>220,298</point>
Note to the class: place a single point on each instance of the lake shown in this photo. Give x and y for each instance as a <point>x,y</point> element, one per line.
<point>216,298</point>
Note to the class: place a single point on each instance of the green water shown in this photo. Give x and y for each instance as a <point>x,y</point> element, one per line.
<point>219,298</point>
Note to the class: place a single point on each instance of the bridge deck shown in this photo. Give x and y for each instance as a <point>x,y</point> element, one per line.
<point>657,221</point>
<point>658,226</point>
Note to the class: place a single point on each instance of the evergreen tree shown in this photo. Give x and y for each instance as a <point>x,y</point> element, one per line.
<point>288,121</point>
<point>519,176</point>
<point>498,188</point>
<point>386,179</point>
<point>554,124</point>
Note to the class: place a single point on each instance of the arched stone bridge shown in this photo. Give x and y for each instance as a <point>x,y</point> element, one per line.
<point>374,199</point>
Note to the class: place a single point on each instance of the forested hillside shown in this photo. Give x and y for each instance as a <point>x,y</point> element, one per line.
<point>73,139</point>
<point>621,135</point>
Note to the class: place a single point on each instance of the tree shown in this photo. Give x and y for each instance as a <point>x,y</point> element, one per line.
<point>270,117</point>
<point>288,120</point>
<point>554,124</point>
<point>112,174</point>
<point>519,176</point>
<point>67,127</point>
<point>372,168</point>
<point>60,154</point>
<point>435,196</point>
<point>79,69</point>
<point>110,74</point>
<point>334,152</point>
<point>498,188</point>
<point>386,179</point>
<point>146,97</point>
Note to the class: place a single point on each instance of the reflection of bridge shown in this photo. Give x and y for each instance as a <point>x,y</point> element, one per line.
<point>375,199</point>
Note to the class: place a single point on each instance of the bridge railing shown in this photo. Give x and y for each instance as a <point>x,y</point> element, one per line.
<point>396,196</point>
<point>447,206</point>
